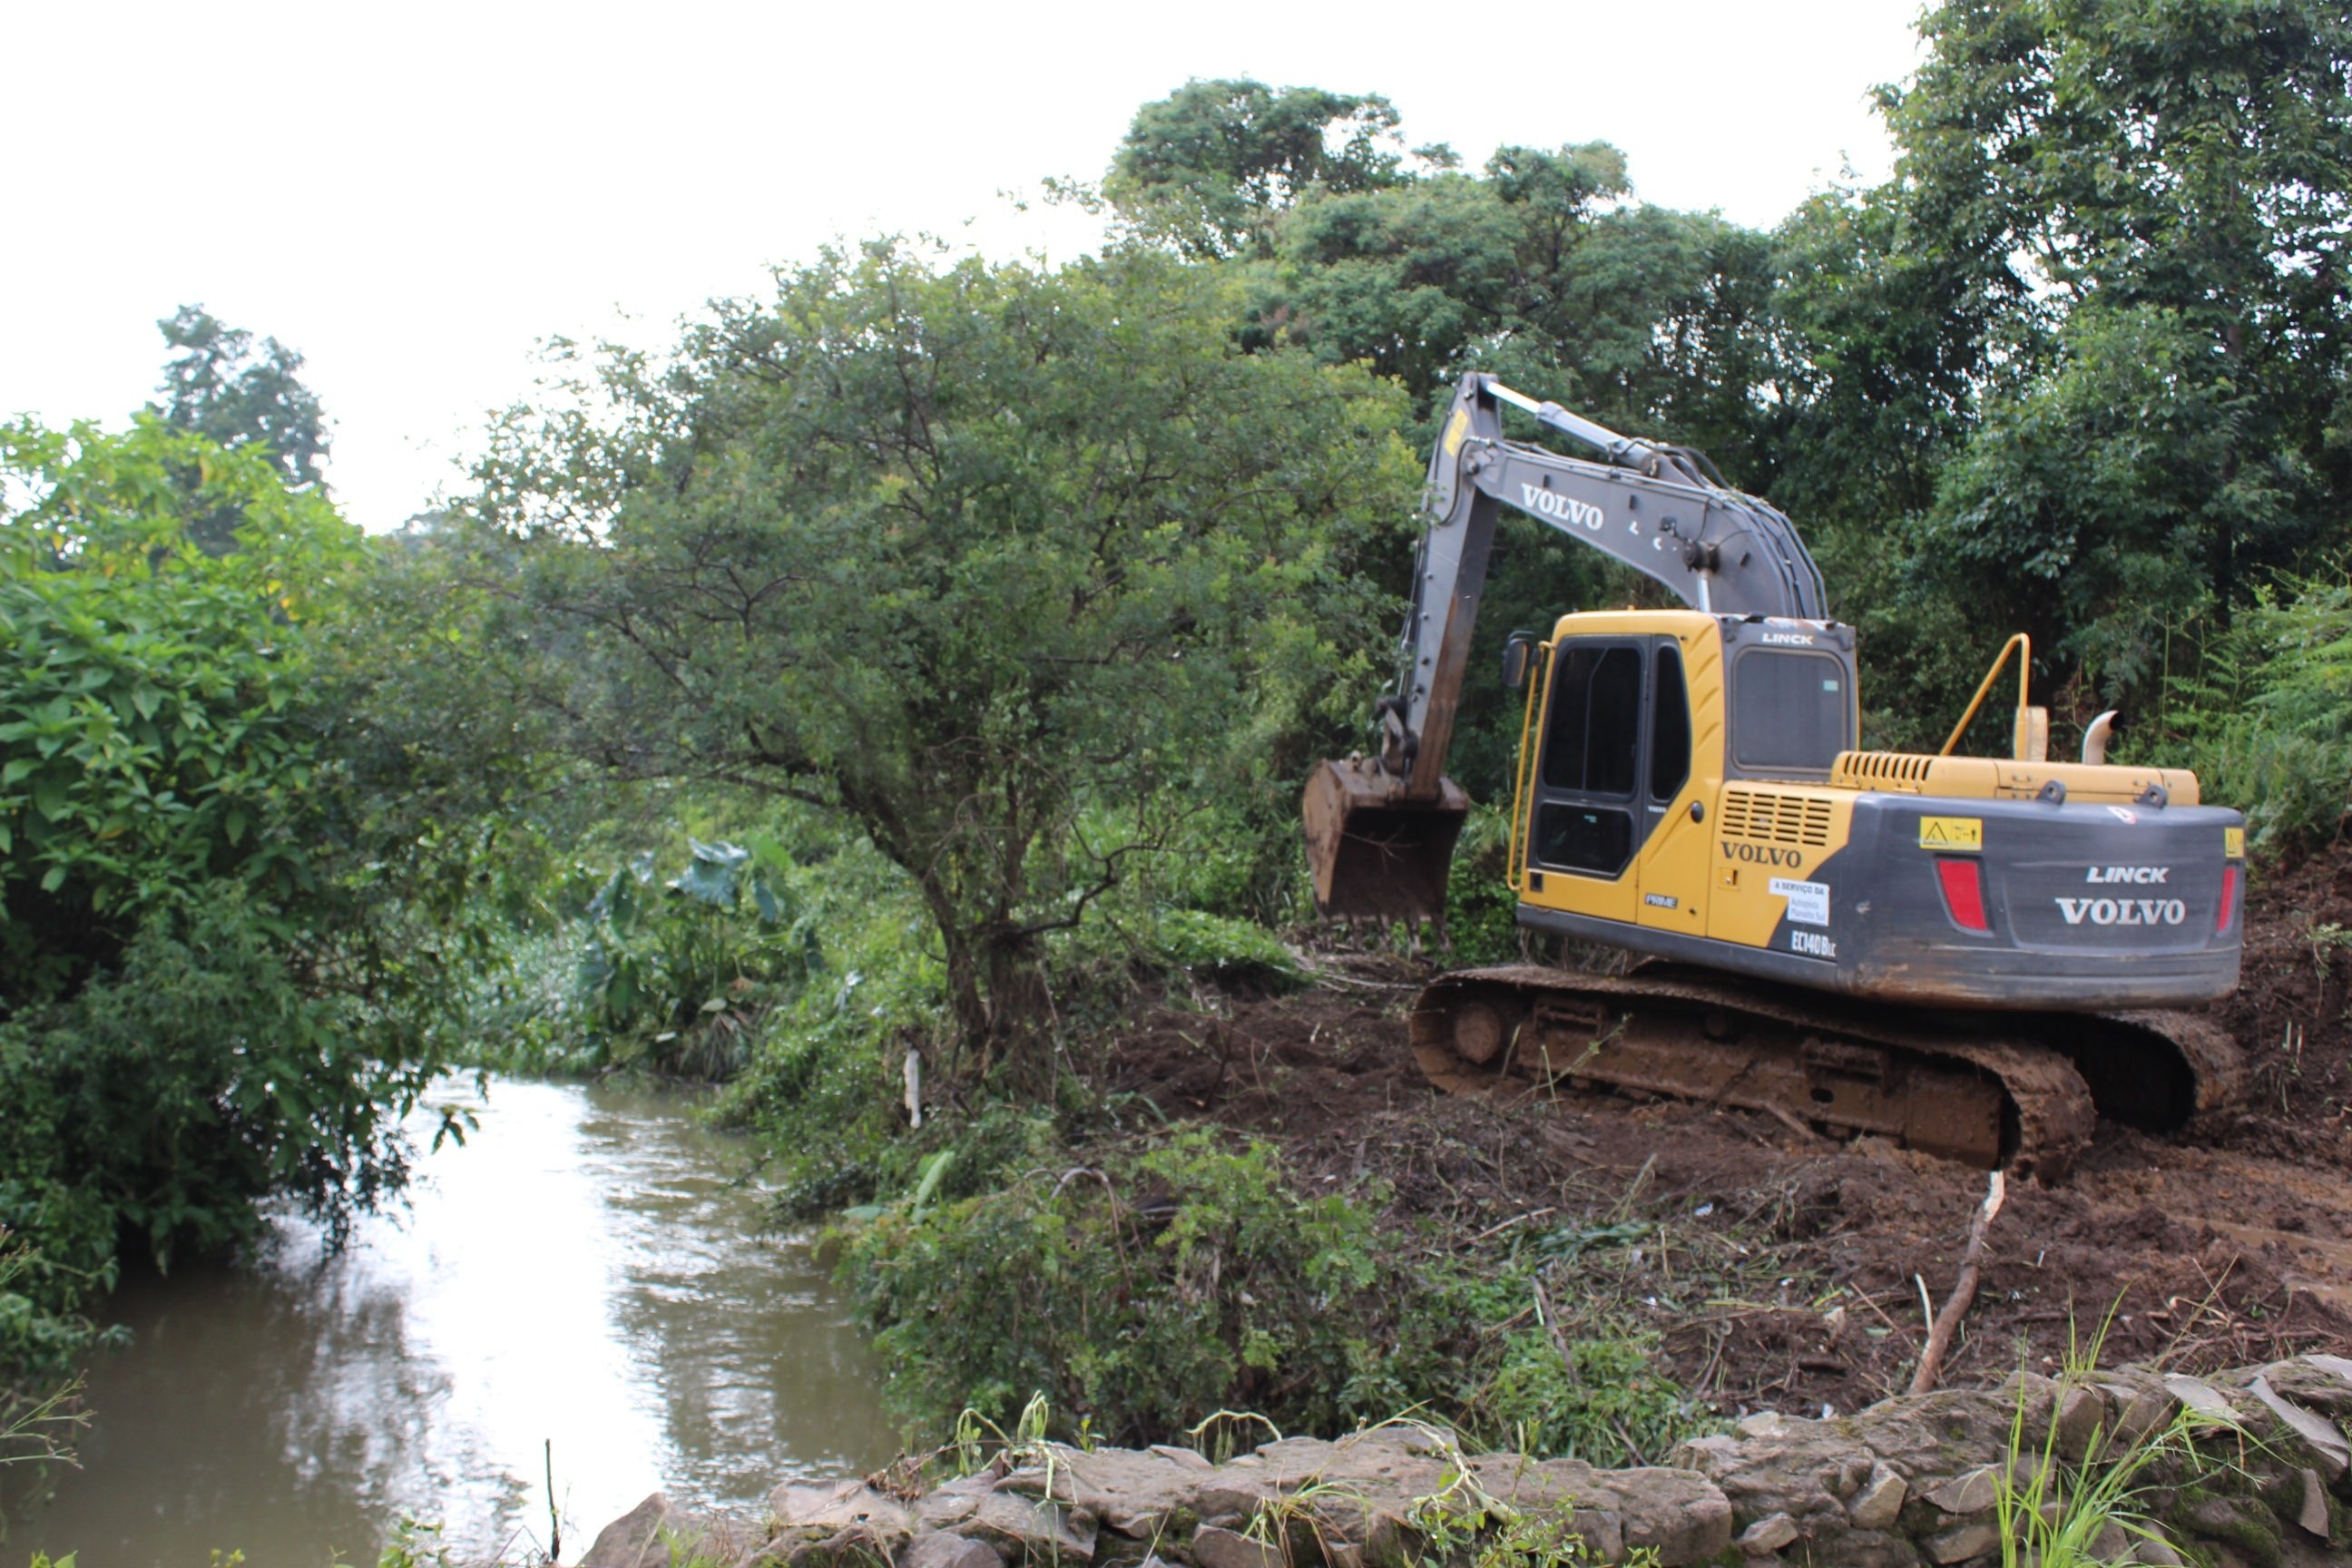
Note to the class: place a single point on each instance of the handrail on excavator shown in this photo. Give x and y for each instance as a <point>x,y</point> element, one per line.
<point>2025,672</point>
<point>1522,776</point>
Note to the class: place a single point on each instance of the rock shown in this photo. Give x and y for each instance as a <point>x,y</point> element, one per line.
<point>1830,1493</point>
<point>656,1534</point>
<point>1880,1499</point>
<point>1863,1549</point>
<point>634,1540</point>
<point>1131,1491</point>
<point>1972,1492</point>
<point>1364,1483</point>
<point>2315,1388</point>
<point>2203,1397</point>
<point>1767,1535</point>
<point>2157,1555</point>
<point>1677,1514</point>
<point>2312,1516</point>
<point>845,1524</point>
<point>856,1547</point>
<point>2323,1437</point>
<point>2081,1418</point>
<point>946,1550</point>
<point>2141,1409</point>
<point>1217,1548</point>
<point>1190,1458</point>
<point>845,1505</point>
<point>1570,1487</point>
<point>1920,1436</point>
<point>1959,1545</point>
<point>1708,1455</point>
<point>2232,1523</point>
<point>1763,1424</point>
<point>1040,1532</point>
<point>945,1510</point>
<point>1231,1498</point>
<point>1852,1472</point>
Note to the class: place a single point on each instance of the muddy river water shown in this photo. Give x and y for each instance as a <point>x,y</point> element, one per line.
<point>587,1270</point>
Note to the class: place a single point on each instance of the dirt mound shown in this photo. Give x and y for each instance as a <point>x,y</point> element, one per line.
<point>2290,1013</point>
<point>1788,1271</point>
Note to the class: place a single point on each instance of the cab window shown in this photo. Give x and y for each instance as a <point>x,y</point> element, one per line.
<point>1791,712</point>
<point>1670,732</point>
<point>1591,759</point>
<point>1596,715</point>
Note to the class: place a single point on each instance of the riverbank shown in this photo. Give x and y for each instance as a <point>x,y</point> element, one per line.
<point>2120,1466</point>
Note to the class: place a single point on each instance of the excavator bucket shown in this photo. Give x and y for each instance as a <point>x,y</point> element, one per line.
<point>1372,850</point>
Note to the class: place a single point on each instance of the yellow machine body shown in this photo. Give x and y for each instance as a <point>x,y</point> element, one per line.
<point>1680,839</point>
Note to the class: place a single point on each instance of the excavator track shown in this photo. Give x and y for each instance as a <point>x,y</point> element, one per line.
<point>2021,1091</point>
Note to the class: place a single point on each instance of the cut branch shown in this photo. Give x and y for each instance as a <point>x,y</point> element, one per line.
<point>1964,1293</point>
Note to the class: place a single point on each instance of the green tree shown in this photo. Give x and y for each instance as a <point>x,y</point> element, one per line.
<point>1014,568</point>
<point>1543,269</point>
<point>2114,241</point>
<point>220,964</point>
<point>219,384</point>
<point>1210,166</point>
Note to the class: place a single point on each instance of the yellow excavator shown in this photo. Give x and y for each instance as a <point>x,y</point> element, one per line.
<point>1975,957</point>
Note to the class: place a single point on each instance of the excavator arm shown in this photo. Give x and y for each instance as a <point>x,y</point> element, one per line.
<point>1381,831</point>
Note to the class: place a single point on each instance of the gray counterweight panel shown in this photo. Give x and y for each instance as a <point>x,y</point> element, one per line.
<point>2087,908</point>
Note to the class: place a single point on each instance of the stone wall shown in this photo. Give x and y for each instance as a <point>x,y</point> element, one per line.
<point>1914,1480</point>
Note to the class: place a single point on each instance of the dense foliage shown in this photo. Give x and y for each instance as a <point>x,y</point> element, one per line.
<point>212,989</point>
<point>1175,1278</point>
<point>1016,569</point>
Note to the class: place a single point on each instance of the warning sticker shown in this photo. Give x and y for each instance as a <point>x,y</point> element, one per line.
<point>1809,902</point>
<point>2233,842</point>
<point>1951,833</point>
<point>1455,429</point>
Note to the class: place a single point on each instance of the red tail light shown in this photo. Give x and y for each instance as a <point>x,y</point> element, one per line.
<point>2229,899</point>
<point>1963,882</point>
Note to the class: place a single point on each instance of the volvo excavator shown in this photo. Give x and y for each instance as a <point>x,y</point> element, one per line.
<point>1975,957</point>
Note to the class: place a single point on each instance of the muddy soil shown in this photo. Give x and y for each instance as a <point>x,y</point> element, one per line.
<point>1785,1270</point>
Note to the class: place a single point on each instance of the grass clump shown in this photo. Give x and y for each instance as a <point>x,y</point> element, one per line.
<point>1143,1284</point>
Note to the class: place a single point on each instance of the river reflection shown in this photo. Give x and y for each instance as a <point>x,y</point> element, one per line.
<point>583,1271</point>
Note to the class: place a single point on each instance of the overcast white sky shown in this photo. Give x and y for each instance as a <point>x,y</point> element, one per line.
<point>413,194</point>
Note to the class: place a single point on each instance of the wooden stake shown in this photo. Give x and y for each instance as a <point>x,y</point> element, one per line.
<point>1964,1293</point>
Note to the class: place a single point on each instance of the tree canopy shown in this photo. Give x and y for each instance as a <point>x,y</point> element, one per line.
<point>1016,567</point>
<point>1212,163</point>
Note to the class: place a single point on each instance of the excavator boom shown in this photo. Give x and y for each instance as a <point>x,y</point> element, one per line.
<point>1380,832</point>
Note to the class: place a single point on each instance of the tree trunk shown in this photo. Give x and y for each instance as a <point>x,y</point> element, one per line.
<point>1018,1009</point>
<point>967,1002</point>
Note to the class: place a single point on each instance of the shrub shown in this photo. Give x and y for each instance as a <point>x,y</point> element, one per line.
<point>1142,1286</point>
<point>2268,717</point>
<point>220,970</point>
<point>1139,1295</point>
<point>677,977</point>
<point>1481,911</point>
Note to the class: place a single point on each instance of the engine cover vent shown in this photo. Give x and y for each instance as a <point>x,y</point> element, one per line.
<point>1768,817</point>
